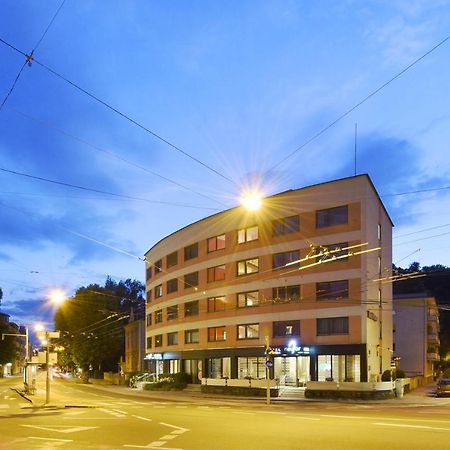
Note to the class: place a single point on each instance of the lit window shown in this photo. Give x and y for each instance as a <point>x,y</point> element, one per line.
<point>248,234</point>
<point>216,273</point>
<point>248,299</point>
<point>191,336</point>
<point>172,338</point>
<point>216,304</point>
<point>158,291</point>
<point>332,216</point>
<point>216,243</point>
<point>217,334</point>
<point>248,331</point>
<point>248,266</point>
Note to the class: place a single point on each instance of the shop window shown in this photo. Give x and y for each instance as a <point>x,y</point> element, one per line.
<point>286,328</point>
<point>158,266</point>
<point>172,312</point>
<point>216,273</point>
<point>248,266</point>
<point>285,258</point>
<point>286,225</point>
<point>339,368</point>
<point>172,285</point>
<point>172,259</point>
<point>158,340</point>
<point>158,291</point>
<point>172,338</point>
<point>217,334</point>
<point>216,304</point>
<point>332,326</point>
<point>252,368</point>
<point>332,290</point>
<point>158,316</point>
<point>332,216</point>
<point>191,308</point>
<point>248,299</point>
<point>191,280</point>
<point>191,251</point>
<point>216,243</point>
<point>248,331</point>
<point>219,367</point>
<point>191,336</point>
<point>248,234</point>
<point>286,294</point>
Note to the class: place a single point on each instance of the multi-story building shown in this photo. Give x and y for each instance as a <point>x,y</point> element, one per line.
<point>301,277</point>
<point>134,343</point>
<point>416,334</point>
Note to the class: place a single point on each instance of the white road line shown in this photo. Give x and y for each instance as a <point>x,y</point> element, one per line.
<point>50,439</point>
<point>405,425</point>
<point>242,412</point>
<point>302,417</point>
<point>272,412</point>
<point>142,418</point>
<point>168,437</point>
<point>4,406</point>
<point>342,417</point>
<point>178,430</point>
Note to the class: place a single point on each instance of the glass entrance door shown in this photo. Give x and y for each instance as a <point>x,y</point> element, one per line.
<point>291,370</point>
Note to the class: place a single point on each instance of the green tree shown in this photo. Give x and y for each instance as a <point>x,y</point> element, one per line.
<point>92,324</point>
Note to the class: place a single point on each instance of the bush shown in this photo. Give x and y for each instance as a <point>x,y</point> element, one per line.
<point>170,381</point>
<point>396,373</point>
<point>446,373</point>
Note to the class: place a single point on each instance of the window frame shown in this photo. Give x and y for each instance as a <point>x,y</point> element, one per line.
<point>172,312</point>
<point>245,233</point>
<point>173,334</point>
<point>187,284</point>
<point>277,325</point>
<point>172,285</point>
<point>329,217</point>
<point>223,328</point>
<point>244,295</point>
<point>214,274</point>
<point>216,300</point>
<point>215,240</point>
<point>246,327</point>
<point>245,263</point>
<point>329,292</point>
<point>282,226</point>
<point>172,259</point>
<point>159,291</point>
<point>190,333</point>
<point>188,248</point>
<point>158,316</point>
<point>286,257</point>
<point>332,325</point>
<point>289,294</point>
<point>158,266</point>
<point>158,340</point>
<point>197,308</point>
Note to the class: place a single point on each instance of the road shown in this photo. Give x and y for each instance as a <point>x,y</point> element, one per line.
<point>89,418</point>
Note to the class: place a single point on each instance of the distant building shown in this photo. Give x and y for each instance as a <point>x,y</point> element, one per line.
<point>302,278</point>
<point>16,363</point>
<point>416,334</point>
<point>134,344</point>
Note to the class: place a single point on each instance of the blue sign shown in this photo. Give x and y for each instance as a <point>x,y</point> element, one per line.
<point>269,363</point>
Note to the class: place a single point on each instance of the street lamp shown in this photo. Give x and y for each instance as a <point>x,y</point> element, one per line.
<point>45,336</point>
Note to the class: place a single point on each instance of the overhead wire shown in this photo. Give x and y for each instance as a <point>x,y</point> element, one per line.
<point>357,105</point>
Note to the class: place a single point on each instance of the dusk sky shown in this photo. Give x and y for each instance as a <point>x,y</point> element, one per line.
<point>236,87</point>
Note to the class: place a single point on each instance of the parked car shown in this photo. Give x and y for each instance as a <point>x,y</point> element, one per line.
<point>443,387</point>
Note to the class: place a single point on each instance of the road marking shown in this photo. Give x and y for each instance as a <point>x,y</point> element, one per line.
<point>342,417</point>
<point>404,425</point>
<point>242,412</point>
<point>112,412</point>
<point>119,411</point>
<point>272,412</point>
<point>302,417</point>
<point>4,406</point>
<point>60,428</point>
<point>50,439</point>
<point>184,406</point>
<point>178,430</point>
<point>142,418</point>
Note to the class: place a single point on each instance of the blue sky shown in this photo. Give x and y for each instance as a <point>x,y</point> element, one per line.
<point>236,84</point>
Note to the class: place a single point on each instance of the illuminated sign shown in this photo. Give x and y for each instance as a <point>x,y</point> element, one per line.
<point>292,349</point>
<point>153,356</point>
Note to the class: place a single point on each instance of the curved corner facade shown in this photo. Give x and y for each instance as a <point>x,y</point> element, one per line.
<point>296,286</point>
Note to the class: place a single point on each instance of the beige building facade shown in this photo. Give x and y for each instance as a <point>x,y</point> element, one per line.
<point>296,286</point>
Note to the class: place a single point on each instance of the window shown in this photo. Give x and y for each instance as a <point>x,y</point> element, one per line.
<point>248,331</point>
<point>286,328</point>
<point>216,304</point>
<point>217,334</point>
<point>332,325</point>
<point>172,312</point>
<point>247,299</point>
<point>191,308</point>
<point>158,266</point>
<point>149,320</point>
<point>149,342</point>
<point>248,234</point>
<point>332,290</point>
<point>172,259</point>
<point>286,225</point>
<point>191,336</point>
<point>149,296</point>
<point>191,280</point>
<point>248,266</point>
<point>281,259</point>
<point>172,285</point>
<point>216,273</point>
<point>158,340</point>
<point>286,294</point>
<point>158,316</point>
<point>148,272</point>
<point>158,291</point>
<point>332,216</point>
<point>252,367</point>
<point>172,338</point>
<point>216,243</point>
<point>191,251</point>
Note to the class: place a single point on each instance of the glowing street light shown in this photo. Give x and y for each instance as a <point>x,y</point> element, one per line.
<point>57,296</point>
<point>251,200</point>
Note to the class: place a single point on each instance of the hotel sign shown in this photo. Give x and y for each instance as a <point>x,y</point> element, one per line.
<point>292,349</point>
<point>153,356</point>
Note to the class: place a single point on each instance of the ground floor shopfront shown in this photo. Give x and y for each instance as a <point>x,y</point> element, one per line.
<point>290,365</point>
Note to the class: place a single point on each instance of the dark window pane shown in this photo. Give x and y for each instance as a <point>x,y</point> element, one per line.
<point>191,308</point>
<point>191,251</point>
<point>332,216</point>
<point>172,285</point>
<point>191,280</point>
<point>172,259</point>
<point>332,290</point>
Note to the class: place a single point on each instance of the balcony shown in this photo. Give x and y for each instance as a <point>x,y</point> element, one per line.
<point>433,356</point>
<point>433,338</point>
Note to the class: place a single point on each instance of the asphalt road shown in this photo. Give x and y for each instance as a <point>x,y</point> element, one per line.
<point>85,417</point>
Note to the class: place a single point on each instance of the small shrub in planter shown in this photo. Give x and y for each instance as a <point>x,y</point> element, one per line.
<point>396,373</point>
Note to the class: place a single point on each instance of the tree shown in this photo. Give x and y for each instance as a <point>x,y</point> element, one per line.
<point>92,323</point>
